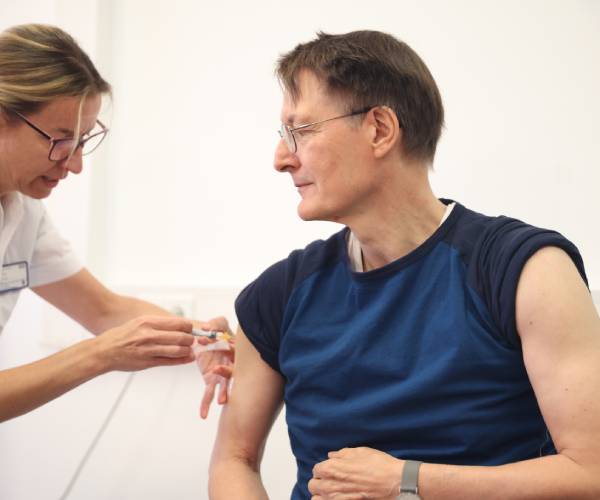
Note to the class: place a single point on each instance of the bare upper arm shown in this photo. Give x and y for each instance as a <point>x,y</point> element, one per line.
<point>255,401</point>
<point>80,296</point>
<point>560,334</point>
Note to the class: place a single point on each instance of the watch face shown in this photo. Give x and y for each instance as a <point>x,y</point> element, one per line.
<point>408,496</point>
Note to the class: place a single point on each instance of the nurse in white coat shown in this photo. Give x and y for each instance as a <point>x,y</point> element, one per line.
<point>50,96</point>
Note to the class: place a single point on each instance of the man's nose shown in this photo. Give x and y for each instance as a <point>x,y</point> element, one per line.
<point>284,159</point>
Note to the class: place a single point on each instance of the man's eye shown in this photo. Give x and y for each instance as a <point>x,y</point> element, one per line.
<point>304,131</point>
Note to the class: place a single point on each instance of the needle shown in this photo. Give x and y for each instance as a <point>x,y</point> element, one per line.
<point>212,335</point>
<point>201,333</point>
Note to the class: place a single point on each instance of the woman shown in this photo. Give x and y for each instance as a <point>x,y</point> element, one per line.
<point>50,97</point>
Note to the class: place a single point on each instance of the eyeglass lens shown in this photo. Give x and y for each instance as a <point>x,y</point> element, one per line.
<point>64,147</point>
<point>288,136</point>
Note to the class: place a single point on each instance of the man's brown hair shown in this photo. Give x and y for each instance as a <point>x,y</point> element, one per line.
<point>371,68</point>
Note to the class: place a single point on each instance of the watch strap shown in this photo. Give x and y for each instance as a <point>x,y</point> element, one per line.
<point>410,476</point>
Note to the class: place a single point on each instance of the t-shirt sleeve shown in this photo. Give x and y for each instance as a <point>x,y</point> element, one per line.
<point>260,308</point>
<point>53,258</point>
<point>504,250</point>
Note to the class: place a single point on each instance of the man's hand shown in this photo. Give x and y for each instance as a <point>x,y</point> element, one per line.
<point>353,473</point>
<point>144,342</point>
<point>216,366</point>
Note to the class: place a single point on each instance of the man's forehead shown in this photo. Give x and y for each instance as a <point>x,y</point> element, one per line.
<point>310,97</point>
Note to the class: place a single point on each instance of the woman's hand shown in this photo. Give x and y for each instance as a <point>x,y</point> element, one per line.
<point>145,342</point>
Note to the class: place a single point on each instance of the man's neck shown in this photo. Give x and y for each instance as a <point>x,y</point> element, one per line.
<point>399,220</point>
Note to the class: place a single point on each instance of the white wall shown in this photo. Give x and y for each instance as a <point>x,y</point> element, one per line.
<point>196,111</point>
<point>183,194</point>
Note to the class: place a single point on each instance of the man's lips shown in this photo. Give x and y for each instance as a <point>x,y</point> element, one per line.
<point>301,186</point>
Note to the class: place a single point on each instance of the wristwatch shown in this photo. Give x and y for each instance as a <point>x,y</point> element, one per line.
<point>408,484</point>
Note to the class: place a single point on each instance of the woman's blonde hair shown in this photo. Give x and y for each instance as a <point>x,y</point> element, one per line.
<point>39,63</point>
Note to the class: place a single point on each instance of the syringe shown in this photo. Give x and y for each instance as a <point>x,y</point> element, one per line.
<point>212,335</point>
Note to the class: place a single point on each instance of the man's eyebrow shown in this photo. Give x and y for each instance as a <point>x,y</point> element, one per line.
<point>298,120</point>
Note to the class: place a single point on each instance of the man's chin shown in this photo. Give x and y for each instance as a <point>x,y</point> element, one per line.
<point>308,213</point>
<point>305,212</point>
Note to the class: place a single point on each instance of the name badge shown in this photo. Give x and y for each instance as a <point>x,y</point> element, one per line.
<point>14,277</point>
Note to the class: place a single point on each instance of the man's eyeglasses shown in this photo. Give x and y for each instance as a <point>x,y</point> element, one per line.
<point>287,133</point>
<point>61,149</point>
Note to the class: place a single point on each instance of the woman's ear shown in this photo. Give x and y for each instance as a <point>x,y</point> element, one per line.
<point>6,118</point>
<point>386,131</point>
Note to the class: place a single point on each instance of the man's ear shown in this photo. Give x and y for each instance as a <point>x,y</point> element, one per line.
<point>386,131</point>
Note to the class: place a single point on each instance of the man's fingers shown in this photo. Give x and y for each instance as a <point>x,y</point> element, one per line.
<point>225,371</point>
<point>329,489</point>
<point>219,324</point>
<point>204,340</point>
<point>223,386</point>
<point>209,394</point>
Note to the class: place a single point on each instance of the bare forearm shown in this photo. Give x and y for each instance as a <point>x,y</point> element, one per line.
<point>369,473</point>
<point>244,426</point>
<point>235,478</point>
<point>121,309</point>
<point>91,304</point>
<point>551,477</point>
<point>138,344</point>
<point>27,387</point>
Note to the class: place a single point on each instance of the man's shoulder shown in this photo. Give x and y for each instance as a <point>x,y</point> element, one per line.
<point>312,257</point>
<point>260,306</point>
<point>495,251</point>
<point>283,276</point>
<point>496,245</point>
<point>318,254</point>
<point>475,232</point>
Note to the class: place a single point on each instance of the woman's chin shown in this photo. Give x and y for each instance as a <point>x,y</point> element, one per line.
<point>38,189</point>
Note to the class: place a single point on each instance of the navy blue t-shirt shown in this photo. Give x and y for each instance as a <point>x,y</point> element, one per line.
<point>420,358</point>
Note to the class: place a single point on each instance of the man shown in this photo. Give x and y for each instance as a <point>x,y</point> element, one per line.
<point>423,331</point>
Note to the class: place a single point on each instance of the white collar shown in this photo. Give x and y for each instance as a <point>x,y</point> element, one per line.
<point>11,214</point>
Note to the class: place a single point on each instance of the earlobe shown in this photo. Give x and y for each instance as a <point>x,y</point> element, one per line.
<point>387,132</point>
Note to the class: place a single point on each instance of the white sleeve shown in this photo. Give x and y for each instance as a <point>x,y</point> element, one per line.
<point>53,258</point>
